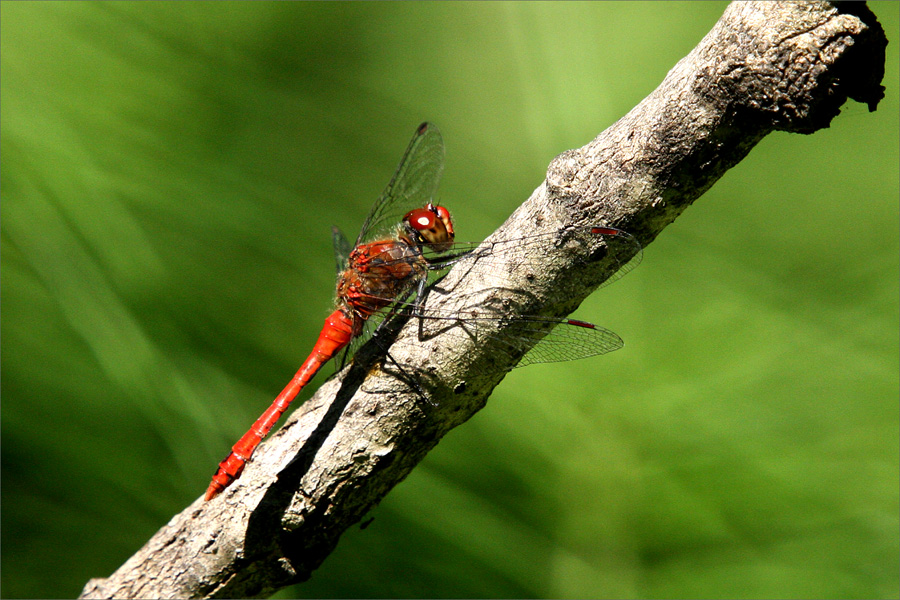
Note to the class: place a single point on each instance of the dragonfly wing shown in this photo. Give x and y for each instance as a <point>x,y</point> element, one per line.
<point>567,340</point>
<point>592,243</point>
<point>531,339</point>
<point>528,340</point>
<point>623,247</point>
<point>342,249</point>
<point>414,183</point>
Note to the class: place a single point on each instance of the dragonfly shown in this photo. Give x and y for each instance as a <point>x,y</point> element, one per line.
<point>406,243</point>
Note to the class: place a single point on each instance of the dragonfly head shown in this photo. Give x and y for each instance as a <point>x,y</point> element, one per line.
<point>432,226</point>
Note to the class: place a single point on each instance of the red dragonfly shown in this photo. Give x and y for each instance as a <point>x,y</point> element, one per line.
<point>384,270</point>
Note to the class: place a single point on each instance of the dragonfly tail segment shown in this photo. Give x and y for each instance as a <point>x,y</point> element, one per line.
<point>336,334</point>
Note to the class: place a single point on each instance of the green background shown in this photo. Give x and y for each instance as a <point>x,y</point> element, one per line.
<point>169,176</point>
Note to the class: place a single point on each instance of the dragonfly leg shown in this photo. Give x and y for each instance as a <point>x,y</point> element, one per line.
<point>420,391</point>
<point>420,297</point>
<point>377,337</point>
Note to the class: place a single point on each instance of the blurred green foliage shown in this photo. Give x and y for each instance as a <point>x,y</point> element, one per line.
<point>169,175</point>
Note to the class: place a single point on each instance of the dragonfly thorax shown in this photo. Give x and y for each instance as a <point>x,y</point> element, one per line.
<point>378,273</point>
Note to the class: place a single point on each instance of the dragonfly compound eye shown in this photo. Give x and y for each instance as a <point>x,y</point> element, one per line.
<point>432,226</point>
<point>421,219</point>
<point>444,215</point>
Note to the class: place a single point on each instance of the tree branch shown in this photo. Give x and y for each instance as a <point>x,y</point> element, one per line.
<point>763,67</point>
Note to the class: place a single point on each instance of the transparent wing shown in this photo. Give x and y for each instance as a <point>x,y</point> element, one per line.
<point>523,254</point>
<point>592,243</point>
<point>342,249</point>
<point>526,339</point>
<point>414,183</point>
<point>567,340</point>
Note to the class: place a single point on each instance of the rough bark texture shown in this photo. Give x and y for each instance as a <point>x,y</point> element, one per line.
<point>763,67</point>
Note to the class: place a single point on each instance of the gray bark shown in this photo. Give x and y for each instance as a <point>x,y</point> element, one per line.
<point>763,67</point>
